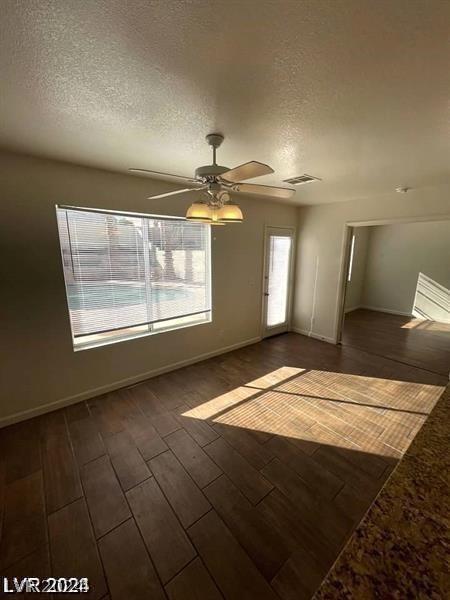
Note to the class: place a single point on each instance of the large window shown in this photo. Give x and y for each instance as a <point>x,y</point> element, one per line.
<point>128,274</point>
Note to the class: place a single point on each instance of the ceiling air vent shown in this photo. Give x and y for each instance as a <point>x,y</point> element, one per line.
<point>301,179</point>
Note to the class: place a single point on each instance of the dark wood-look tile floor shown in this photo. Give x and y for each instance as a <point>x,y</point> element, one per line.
<point>417,342</point>
<point>240,477</point>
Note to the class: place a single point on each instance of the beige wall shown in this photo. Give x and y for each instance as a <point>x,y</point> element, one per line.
<point>354,289</point>
<point>397,256</point>
<point>320,249</point>
<point>38,364</point>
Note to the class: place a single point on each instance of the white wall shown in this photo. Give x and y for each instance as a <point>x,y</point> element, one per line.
<point>38,364</point>
<point>397,255</point>
<point>320,249</point>
<point>354,290</point>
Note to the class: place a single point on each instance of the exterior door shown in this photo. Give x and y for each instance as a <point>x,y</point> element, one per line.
<point>277,280</point>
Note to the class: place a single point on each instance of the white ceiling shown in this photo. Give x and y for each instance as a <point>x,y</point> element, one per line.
<point>353,91</point>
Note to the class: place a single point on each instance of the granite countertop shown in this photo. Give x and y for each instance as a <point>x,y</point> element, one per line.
<point>401,549</point>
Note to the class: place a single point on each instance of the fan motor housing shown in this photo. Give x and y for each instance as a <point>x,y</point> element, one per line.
<point>210,171</point>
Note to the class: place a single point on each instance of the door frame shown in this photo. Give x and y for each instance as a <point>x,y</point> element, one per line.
<point>345,257</point>
<point>292,230</point>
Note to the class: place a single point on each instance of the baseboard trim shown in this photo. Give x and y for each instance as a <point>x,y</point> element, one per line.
<point>120,383</point>
<point>316,336</point>
<point>352,308</point>
<point>387,310</point>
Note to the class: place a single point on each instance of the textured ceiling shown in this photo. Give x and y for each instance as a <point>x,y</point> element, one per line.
<point>353,91</point>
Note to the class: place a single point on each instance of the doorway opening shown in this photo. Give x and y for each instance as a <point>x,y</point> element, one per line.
<point>396,296</point>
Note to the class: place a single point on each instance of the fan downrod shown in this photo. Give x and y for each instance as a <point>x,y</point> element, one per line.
<point>211,172</point>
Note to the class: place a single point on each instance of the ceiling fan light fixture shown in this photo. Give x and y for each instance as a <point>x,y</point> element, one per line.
<point>218,181</point>
<point>230,212</point>
<point>215,220</point>
<point>199,211</point>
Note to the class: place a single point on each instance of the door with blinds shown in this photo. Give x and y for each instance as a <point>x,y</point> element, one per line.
<point>277,280</point>
<point>131,274</point>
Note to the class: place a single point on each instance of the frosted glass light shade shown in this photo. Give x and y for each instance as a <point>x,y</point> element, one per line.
<point>215,216</point>
<point>230,213</point>
<point>199,211</point>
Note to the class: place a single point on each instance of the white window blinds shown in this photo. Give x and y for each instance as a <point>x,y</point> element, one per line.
<point>123,271</point>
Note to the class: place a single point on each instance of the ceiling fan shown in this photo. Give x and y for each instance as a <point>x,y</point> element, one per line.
<point>216,183</point>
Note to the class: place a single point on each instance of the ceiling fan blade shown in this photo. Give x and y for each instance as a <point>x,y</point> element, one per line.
<point>159,174</point>
<point>247,171</point>
<point>263,190</point>
<point>176,192</point>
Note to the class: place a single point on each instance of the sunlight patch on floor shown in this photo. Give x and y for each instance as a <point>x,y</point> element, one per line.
<point>208,409</point>
<point>275,377</point>
<point>355,412</point>
<point>426,325</point>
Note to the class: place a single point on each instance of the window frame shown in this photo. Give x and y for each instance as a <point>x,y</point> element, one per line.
<point>96,340</point>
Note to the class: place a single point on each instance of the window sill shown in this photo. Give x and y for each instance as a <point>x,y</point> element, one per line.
<point>78,347</point>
